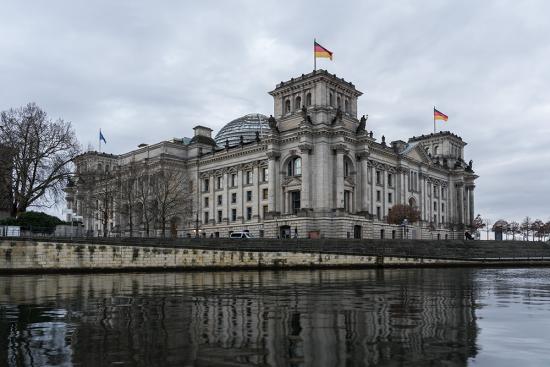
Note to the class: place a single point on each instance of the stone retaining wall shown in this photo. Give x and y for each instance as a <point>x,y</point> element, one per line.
<point>21,255</point>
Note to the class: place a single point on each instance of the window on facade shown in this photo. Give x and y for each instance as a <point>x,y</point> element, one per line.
<point>436,191</point>
<point>444,193</point>
<point>298,103</point>
<point>219,182</point>
<point>378,213</point>
<point>220,199</point>
<point>233,198</point>
<point>378,195</point>
<point>436,148</point>
<point>346,106</point>
<point>233,215</point>
<point>248,177</point>
<point>338,102</point>
<point>206,217</point>
<point>347,168</point>
<point>265,211</point>
<point>308,99</point>
<point>442,207</point>
<point>287,106</point>
<point>206,184</point>
<point>295,201</point>
<point>390,197</point>
<point>233,179</point>
<point>220,216</point>
<point>264,194</point>
<point>435,205</point>
<point>265,175</point>
<point>206,202</point>
<point>248,213</point>
<point>390,179</point>
<point>330,100</point>
<point>435,218</point>
<point>294,167</point>
<point>249,196</point>
<point>378,178</point>
<point>443,219</point>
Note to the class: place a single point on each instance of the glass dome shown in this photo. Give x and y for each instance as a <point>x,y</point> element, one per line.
<point>245,126</point>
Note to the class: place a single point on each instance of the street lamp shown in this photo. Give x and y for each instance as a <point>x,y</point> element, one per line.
<point>404,227</point>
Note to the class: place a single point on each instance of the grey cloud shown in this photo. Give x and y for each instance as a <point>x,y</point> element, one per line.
<point>144,72</point>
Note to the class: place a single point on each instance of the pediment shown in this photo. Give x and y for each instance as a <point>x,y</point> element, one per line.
<point>418,154</point>
<point>292,181</point>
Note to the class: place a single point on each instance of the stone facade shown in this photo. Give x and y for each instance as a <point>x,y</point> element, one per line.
<point>318,172</point>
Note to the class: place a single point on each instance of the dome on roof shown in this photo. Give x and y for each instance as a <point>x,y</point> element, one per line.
<point>245,126</point>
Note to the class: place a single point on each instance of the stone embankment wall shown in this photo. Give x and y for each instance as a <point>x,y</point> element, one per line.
<point>32,255</point>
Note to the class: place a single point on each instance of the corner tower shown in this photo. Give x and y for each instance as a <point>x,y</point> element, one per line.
<point>319,96</point>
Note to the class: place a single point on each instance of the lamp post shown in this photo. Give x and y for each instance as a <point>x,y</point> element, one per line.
<point>404,227</point>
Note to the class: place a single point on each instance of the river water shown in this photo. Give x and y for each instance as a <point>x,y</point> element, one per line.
<point>389,317</point>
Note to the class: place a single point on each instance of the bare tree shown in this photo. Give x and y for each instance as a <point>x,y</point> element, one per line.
<point>538,229</point>
<point>127,199</point>
<point>99,189</point>
<point>478,224</point>
<point>42,152</point>
<point>514,228</point>
<point>526,227</point>
<point>172,196</point>
<point>487,225</point>
<point>399,212</point>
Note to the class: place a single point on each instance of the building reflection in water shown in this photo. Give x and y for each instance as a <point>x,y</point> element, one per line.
<point>288,318</point>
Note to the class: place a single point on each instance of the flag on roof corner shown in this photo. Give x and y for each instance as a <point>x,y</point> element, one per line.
<point>320,51</point>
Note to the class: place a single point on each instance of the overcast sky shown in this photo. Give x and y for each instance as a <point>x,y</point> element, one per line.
<point>145,71</point>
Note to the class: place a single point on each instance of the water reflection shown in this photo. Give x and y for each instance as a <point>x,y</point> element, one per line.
<point>404,317</point>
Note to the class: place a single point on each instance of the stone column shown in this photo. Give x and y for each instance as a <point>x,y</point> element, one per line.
<point>305,196</point>
<point>255,192</point>
<point>340,150</point>
<point>460,206</point>
<point>364,190</point>
<point>226,200</point>
<point>240,195</point>
<point>272,173</point>
<point>471,204</point>
<point>373,190</point>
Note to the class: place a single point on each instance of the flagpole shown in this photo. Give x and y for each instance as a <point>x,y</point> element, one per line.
<point>434,118</point>
<point>100,140</point>
<point>314,58</point>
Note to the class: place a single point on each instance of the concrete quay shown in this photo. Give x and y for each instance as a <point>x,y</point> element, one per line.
<point>18,255</point>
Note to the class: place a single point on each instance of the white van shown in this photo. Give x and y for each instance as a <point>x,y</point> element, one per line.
<point>240,234</point>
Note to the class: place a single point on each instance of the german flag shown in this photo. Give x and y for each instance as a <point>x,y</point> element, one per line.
<point>440,115</point>
<point>320,51</point>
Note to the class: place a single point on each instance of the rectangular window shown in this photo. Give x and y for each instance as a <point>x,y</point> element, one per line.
<point>206,202</point>
<point>389,197</point>
<point>220,199</point>
<point>219,182</point>
<point>378,213</point>
<point>435,218</point>
<point>265,211</point>
<point>347,201</point>
<point>378,178</point>
<point>265,175</point>
<point>206,184</point>
<point>206,217</point>
<point>295,201</point>
<point>390,180</point>
<point>233,215</point>
<point>264,194</point>
<point>444,193</point>
<point>442,219</point>
<point>234,198</point>
<point>442,207</point>
<point>220,216</point>
<point>248,177</point>
<point>248,213</point>
<point>436,193</point>
<point>435,205</point>
<point>378,195</point>
<point>233,180</point>
<point>249,196</point>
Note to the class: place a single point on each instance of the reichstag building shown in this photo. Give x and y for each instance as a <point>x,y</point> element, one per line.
<point>312,169</point>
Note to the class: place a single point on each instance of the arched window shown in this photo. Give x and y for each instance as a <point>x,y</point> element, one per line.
<point>412,202</point>
<point>338,102</point>
<point>435,150</point>
<point>346,106</point>
<point>348,167</point>
<point>298,103</point>
<point>330,100</point>
<point>295,167</point>
<point>308,99</point>
<point>287,106</point>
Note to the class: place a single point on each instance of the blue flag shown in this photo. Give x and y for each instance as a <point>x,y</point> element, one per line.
<point>101,137</point>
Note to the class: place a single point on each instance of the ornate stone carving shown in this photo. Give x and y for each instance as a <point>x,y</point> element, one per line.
<point>337,117</point>
<point>305,116</point>
<point>362,124</point>
<point>305,148</point>
<point>272,123</point>
<point>273,155</point>
<point>340,148</point>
